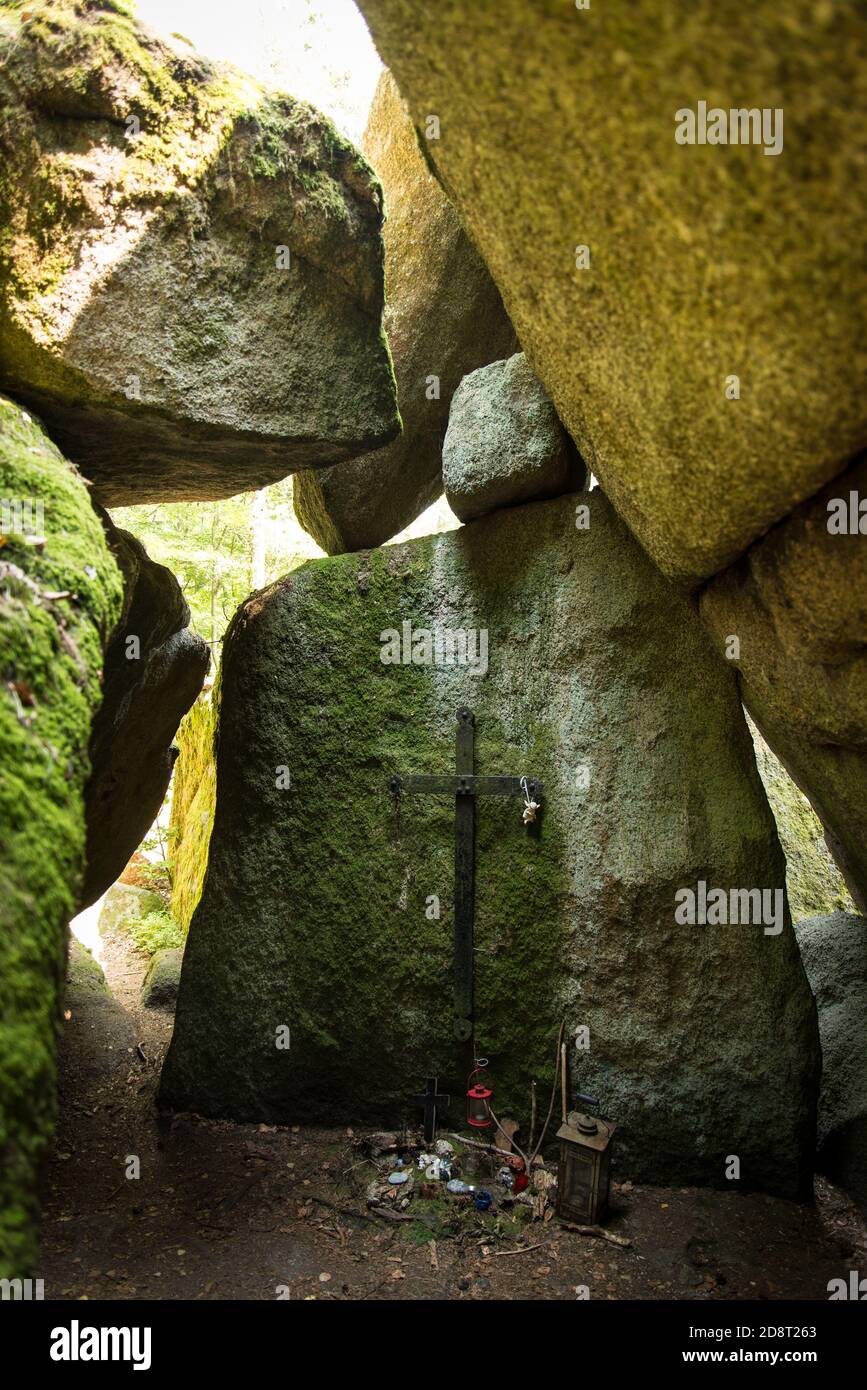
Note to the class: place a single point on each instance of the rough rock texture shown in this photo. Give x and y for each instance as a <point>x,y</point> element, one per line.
<point>798,603</point>
<point>60,593</point>
<point>504,443</point>
<point>194,794</point>
<point>145,696</point>
<point>317,913</point>
<point>444,317</point>
<point>144,193</point>
<point>160,987</point>
<point>834,951</point>
<point>557,130</point>
<point>814,884</point>
<point>124,902</point>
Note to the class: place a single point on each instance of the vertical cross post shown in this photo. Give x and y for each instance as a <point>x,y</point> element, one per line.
<point>465,786</point>
<point>432,1103</point>
<point>465,875</point>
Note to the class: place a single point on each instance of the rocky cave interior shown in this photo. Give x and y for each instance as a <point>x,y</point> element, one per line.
<point>507,402</point>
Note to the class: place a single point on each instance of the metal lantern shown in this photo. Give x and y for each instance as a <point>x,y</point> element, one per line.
<point>584,1175</point>
<point>478,1097</point>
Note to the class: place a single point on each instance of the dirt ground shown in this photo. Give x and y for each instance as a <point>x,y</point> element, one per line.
<point>225,1211</point>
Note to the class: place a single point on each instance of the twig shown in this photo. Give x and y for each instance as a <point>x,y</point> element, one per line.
<point>564,1082</point>
<point>532,1115</point>
<point>599,1231</point>
<point>522,1250</point>
<point>486,1148</point>
<point>341,1211</point>
<point>553,1094</point>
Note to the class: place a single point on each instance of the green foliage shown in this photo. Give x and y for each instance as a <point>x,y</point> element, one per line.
<point>153,932</point>
<point>211,547</point>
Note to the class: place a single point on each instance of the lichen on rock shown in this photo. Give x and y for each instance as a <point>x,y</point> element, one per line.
<point>60,595</point>
<point>194,791</point>
<point>191,266</point>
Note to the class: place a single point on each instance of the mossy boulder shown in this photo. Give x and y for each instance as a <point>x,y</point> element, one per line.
<point>797,604</point>
<point>154,669</point>
<point>194,795</point>
<point>834,950</point>
<point>444,318</point>
<point>125,903</point>
<point>815,885</point>
<point>317,977</point>
<point>504,444</point>
<point>642,274</point>
<point>60,595</point>
<point>191,266</point>
<point>160,988</point>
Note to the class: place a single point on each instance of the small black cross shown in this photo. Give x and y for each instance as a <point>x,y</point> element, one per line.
<point>465,786</point>
<point>432,1103</point>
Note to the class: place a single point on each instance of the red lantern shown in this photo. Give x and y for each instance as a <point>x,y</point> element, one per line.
<point>478,1096</point>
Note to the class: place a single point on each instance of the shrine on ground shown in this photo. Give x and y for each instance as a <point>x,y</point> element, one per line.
<point>332,905</point>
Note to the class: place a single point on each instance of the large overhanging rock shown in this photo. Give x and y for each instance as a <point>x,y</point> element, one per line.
<point>60,593</point>
<point>317,979</point>
<point>797,607</point>
<point>556,131</point>
<point>191,268</point>
<point>444,318</point>
<point>154,669</point>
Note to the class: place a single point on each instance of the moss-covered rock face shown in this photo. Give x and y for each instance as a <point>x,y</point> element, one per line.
<point>815,885</point>
<point>557,131</point>
<point>834,949</point>
<point>798,605</point>
<point>318,922</point>
<point>194,796</point>
<point>60,593</point>
<point>160,988</point>
<point>444,317</point>
<point>154,669</point>
<point>190,266</point>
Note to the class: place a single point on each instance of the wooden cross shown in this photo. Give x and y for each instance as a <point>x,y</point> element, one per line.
<point>432,1104</point>
<point>465,787</point>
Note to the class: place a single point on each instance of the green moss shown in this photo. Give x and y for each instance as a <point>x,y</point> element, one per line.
<point>814,883</point>
<point>57,605</point>
<point>194,790</point>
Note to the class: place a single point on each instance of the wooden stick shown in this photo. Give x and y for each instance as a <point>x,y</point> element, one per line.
<point>532,1116</point>
<point>522,1251</point>
<point>600,1232</point>
<point>564,1081</point>
<point>487,1148</point>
